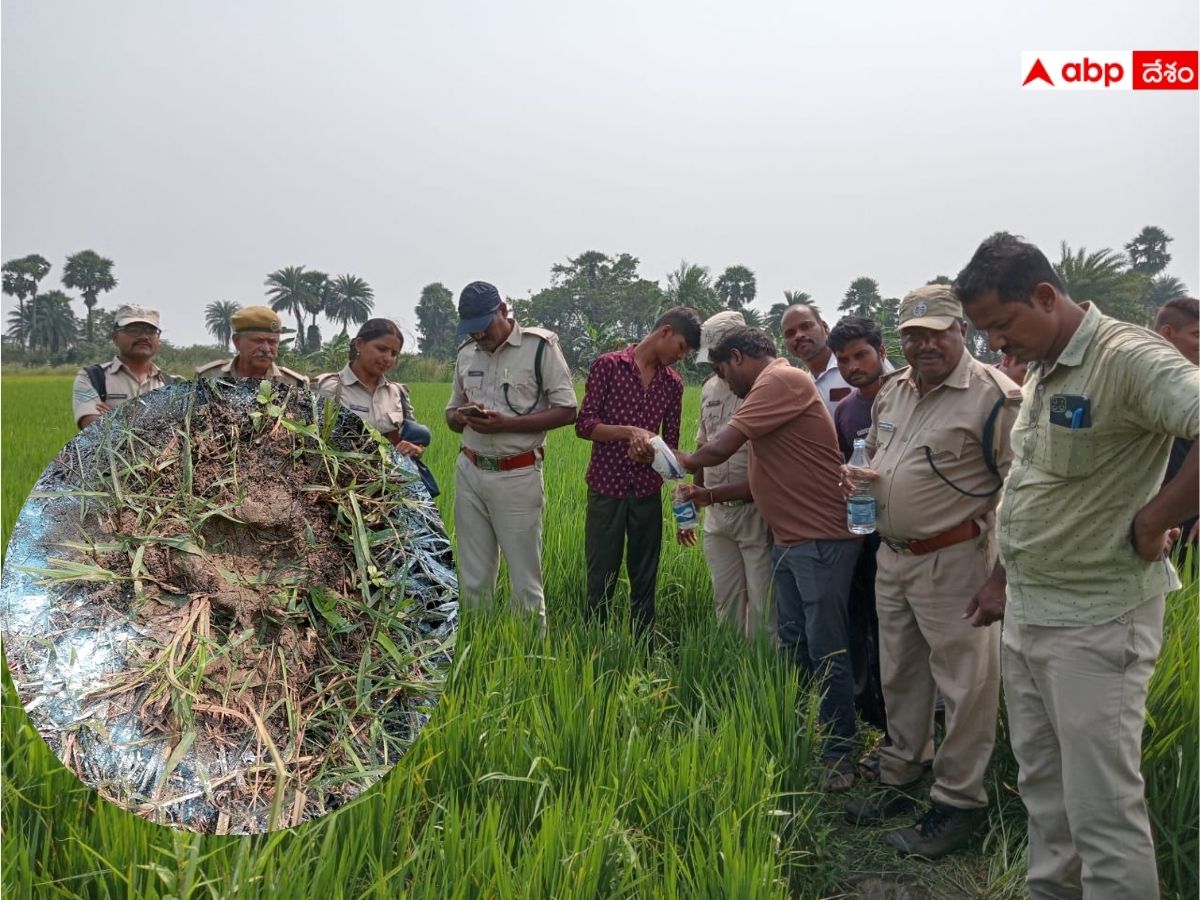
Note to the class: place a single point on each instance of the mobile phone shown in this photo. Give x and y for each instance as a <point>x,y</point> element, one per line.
<point>473,412</point>
<point>1073,411</point>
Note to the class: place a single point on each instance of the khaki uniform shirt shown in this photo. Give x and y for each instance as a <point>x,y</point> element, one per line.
<point>717,406</point>
<point>480,378</point>
<point>121,385</point>
<point>1072,493</point>
<point>223,368</point>
<point>383,408</point>
<point>912,501</point>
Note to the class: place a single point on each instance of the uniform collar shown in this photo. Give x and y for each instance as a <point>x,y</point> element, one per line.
<point>347,376</point>
<point>1073,353</point>
<point>117,364</point>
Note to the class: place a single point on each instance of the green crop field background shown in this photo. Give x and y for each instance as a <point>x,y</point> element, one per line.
<point>575,765</point>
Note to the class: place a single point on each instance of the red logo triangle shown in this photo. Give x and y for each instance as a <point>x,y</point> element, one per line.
<point>1037,71</point>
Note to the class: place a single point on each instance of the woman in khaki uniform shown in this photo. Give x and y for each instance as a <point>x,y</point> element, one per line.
<point>364,389</point>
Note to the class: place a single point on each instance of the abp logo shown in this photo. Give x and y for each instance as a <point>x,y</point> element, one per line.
<point>1109,70</point>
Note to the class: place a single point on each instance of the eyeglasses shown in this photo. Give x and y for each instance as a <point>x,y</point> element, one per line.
<point>139,328</point>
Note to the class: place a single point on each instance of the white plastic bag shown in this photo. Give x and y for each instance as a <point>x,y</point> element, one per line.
<point>665,463</point>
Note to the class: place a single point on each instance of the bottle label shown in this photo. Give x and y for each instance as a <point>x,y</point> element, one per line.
<point>862,511</point>
<point>685,514</point>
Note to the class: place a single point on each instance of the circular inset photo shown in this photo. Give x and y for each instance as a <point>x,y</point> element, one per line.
<point>229,606</point>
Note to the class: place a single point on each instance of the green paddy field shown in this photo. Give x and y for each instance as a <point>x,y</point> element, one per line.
<point>579,765</point>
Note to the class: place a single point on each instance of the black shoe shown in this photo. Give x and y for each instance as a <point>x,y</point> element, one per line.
<point>942,830</point>
<point>886,802</point>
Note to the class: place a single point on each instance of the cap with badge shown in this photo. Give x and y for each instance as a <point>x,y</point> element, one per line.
<point>477,304</point>
<point>129,315</point>
<point>714,330</point>
<point>933,306</point>
<point>257,318</point>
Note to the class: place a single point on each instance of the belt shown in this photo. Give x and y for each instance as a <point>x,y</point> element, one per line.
<point>956,535</point>
<point>503,463</point>
<point>732,504</point>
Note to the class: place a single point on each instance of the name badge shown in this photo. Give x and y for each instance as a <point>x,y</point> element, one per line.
<point>713,403</point>
<point>113,396</point>
<point>475,373</point>
<point>358,408</point>
<point>886,426</point>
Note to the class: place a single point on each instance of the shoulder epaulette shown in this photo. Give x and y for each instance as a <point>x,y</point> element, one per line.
<point>300,379</point>
<point>207,367</point>
<point>544,333</point>
<point>1008,387</point>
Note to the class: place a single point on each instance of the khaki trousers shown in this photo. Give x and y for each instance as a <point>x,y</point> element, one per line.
<point>498,512</point>
<point>926,646</point>
<point>1076,700</point>
<point>737,546</point>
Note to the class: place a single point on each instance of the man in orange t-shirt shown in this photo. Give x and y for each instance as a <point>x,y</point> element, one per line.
<point>790,432</point>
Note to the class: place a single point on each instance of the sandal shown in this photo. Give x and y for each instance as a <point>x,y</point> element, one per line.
<point>839,773</point>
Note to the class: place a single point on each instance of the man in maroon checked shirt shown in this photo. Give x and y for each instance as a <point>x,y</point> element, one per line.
<point>631,395</point>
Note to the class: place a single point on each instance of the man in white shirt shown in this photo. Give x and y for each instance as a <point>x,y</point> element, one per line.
<point>807,338</point>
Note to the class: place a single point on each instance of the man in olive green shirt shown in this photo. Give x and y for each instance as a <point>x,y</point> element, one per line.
<point>1083,530</point>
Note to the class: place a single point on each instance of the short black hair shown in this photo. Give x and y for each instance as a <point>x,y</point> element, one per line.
<point>853,328</point>
<point>683,320</point>
<point>1177,312</point>
<point>1008,265</point>
<point>748,341</point>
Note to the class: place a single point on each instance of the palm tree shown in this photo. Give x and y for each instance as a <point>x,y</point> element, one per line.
<point>91,274</point>
<point>862,298</point>
<point>1102,277</point>
<point>217,320</point>
<point>737,287</point>
<point>1148,251</point>
<point>690,285</point>
<point>753,317</point>
<point>288,289</point>
<point>21,277</point>
<point>320,290</point>
<point>53,328</point>
<point>350,300</point>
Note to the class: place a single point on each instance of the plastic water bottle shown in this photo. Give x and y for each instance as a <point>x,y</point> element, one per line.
<point>860,508</point>
<point>686,517</point>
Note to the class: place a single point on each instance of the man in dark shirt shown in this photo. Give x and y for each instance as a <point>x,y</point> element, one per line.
<point>630,396</point>
<point>1178,321</point>
<point>857,346</point>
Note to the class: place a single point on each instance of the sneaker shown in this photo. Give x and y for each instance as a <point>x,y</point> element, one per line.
<point>839,773</point>
<point>886,802</point>
<point>942,830</point>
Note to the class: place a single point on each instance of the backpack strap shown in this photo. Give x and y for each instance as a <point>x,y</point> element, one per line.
<point>95,374</point>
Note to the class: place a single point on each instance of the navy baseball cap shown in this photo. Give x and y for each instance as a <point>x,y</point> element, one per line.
<point>476,305</point>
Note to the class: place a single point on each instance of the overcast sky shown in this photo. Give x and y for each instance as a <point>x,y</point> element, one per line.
<point>202,145</point>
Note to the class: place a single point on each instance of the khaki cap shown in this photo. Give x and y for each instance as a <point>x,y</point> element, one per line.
<point>129,314</point>
<point>256,318</point>
<point>714,330</point>
<point>934,306</point>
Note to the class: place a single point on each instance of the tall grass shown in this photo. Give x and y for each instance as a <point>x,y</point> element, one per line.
<point>577,765</point>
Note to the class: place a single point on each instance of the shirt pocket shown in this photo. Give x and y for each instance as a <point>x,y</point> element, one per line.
<point>519,395</point>
<point>944,443</point>
<point>1067,452</point>
<point>712,421</point>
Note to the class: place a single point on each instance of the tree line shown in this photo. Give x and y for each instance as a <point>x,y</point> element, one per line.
<point>595,302</point>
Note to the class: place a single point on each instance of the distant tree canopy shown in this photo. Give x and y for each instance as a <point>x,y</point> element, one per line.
<point>437,322</point>
<point>595,302</point>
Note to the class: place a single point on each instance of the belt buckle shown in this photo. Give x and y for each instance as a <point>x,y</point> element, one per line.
<point>896,546</point>
<point>489,463</point>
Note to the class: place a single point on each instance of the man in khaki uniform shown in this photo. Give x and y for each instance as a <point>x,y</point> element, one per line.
<point>129,374</point>
<point>935,427</point>
<point>256,331</point>
<point>1084,527</point>
<point>737,540</point>
<point>511,386</point>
